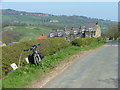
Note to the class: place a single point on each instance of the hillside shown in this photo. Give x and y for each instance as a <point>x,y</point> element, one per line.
<point>30,25</point>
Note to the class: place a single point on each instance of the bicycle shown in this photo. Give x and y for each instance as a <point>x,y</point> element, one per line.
<point>35,57</point>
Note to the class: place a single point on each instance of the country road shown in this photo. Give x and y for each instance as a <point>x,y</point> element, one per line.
<point>97,69</point>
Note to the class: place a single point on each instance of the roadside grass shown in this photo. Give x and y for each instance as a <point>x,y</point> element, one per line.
<point>21,77</point>
<point>0,84</point>
<point>0,68</point>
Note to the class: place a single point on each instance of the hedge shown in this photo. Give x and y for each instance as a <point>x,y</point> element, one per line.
<point>11,53</point>
<point>82,42</point>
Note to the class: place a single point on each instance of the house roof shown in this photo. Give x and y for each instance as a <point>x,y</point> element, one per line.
<point>76,29</point>
<point>67,29</point>
<point>42,37</point>
<point>83,28</point>
<point>54,33</point>
<point>93,25</point>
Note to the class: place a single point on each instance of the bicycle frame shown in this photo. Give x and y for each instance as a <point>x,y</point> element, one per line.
<point>35,57</point>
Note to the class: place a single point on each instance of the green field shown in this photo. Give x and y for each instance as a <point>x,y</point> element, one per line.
<point>28,32</point>
<point>31,26</point>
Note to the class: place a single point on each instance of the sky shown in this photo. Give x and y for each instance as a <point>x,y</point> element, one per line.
<point>60,0</point>
<point>100,10</point>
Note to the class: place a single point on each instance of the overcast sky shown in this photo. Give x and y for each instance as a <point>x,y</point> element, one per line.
<point>101,10</point>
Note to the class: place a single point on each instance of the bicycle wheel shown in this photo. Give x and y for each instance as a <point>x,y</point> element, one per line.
<point>31,58</point>
<point>36,59</point>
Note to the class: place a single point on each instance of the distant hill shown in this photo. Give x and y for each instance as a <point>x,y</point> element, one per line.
<point>44,23</point>
<point>44,19</point>
<point>14,12</point>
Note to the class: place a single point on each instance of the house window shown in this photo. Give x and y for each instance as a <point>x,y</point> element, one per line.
<point>75,32</point>
<point>67,32</point>
<point>83,29</point>
<point>90,28</point>
<point>51,35</point>
<point>59,34</point>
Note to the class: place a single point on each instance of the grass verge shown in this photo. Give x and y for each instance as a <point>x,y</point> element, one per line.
<point>23,76</point>
<point>11,53</point>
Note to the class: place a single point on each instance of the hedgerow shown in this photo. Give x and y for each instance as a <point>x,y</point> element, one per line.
<point>82,42</point>
<point>14,53</point>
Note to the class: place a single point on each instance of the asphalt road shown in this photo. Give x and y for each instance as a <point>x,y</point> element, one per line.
<point>97,69</point>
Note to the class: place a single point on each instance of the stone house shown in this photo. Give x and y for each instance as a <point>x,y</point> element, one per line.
<point>56,33</point>
<point>53,34</point>
<point>92,31</point>
<point>89,31</point>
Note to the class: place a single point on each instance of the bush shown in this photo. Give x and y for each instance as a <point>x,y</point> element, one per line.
<point>78,42</point>
<point>11,53</point>
<point>82,42</point>
<point>100,39</point>
<point>89,41</point>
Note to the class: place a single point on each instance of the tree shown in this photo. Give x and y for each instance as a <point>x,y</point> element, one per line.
<point>113,31</point>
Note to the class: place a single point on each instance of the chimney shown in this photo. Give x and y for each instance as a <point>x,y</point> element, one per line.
<point>65,29</point>
<point>96,23</point>
<point>57,30</point>
<point>72,28</point>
